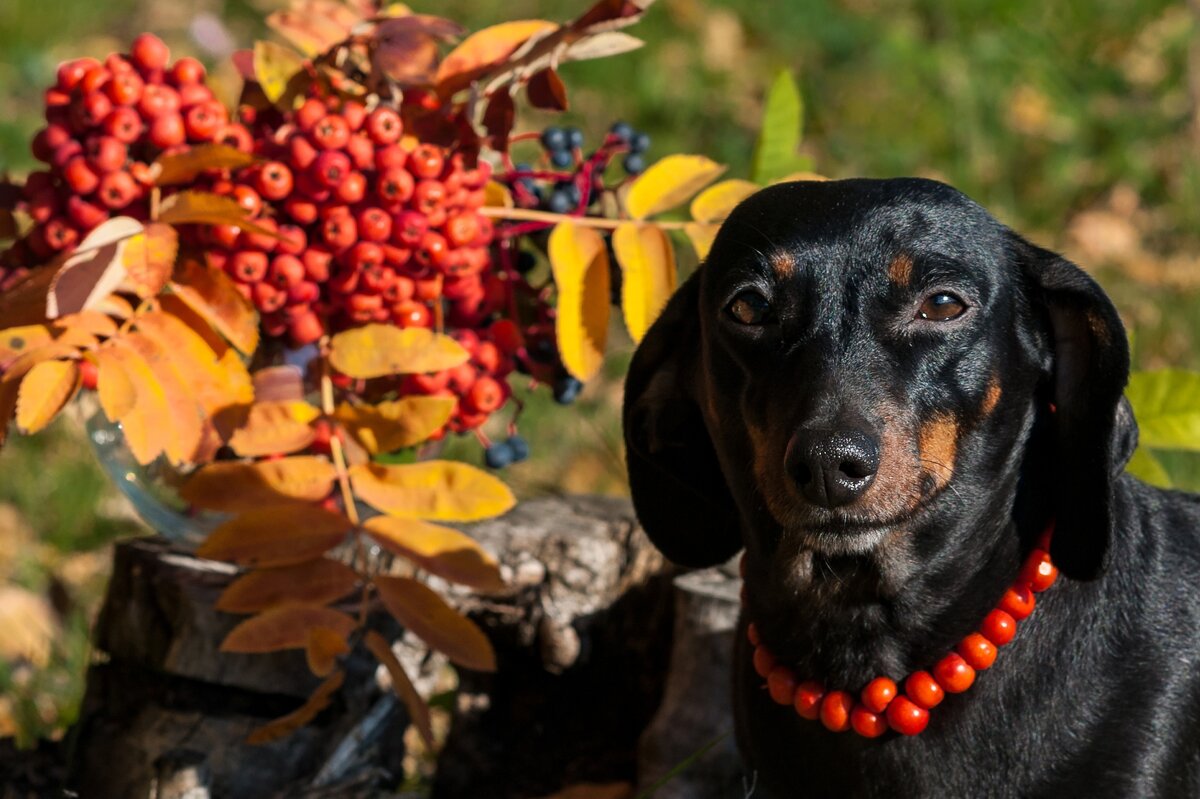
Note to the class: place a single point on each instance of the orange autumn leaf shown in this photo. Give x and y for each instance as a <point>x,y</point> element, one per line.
<point>313,582</point>
<point>142,423</point>
<point>378,350</point>
<point>648,274</point>
<point>31,358</point>
<point>183,425</point>
<point>419,609</point>
<point>115,388</point>
<point>278,535</point>
<point>174,306</point>
<point>214,297</point>
<point>94,323</point>
<point>579,260</point>
<point>439,490</point>
<point>668,183</point>
<point>439,550</point>
<point>284,627</point>
<point>45,389</point>
<point>395,424</point>
<point>208,379</point>
<point>274,428</point>
<point>484,49</point>
<point>286,725</point>
<point>418,709</point>
<point>234,486</point>
<point>322,649</point>
<point>149,258</point>
<point>314,26</point>
<point>16,341</point>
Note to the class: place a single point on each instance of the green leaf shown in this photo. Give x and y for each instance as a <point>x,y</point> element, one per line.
<point>1166,404</point>
<point>1145,466</point>
<point>775,154</point>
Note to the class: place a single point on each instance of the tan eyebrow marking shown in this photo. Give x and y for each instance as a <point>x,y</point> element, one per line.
<point>784,263</point>
<point>900,269</point>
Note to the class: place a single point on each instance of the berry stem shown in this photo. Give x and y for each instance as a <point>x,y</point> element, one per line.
<point>530,215</point>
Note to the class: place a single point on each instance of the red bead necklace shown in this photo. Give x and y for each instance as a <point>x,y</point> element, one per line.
<point>880,705</point>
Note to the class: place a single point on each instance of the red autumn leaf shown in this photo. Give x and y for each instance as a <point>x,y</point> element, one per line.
<point>499,118</point>
<point>406,48</point>
<point>547,91</point>
<point>608,15</point>
<point>322,649</point>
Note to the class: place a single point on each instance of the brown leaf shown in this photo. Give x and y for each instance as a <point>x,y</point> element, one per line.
<point>498,119</point>
<point>186,166</point>
<point>115,306</point>
<point>273,428</point>
<point>284,627</point>
<point>286,725</point>
<point>213,296</point>
<point>277,535</point>
<point>392,425</point>
<point>547,91</point>
<point>439,550</point>
<point>418,710</point>
<point>314,26</point>
<point>427,615</point>
<point>323,648</point>
<point>483,50</point>
<point>284,383</point>
<point>444,491</point>
<point>25,303</point>
<point>607,15</point>
<point>93,270</point>
<point>204,208</point>
<point>234,486</point>
<point>313,582</point>
<point>149,258</point>
<point>406,48</point>
<point>44,391</point>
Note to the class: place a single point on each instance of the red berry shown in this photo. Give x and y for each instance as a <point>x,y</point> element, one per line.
<point>384,126</point>
<point>301,152</point>
<point>979,652</point>
<point>1018,601</point>
<point>488,356</point>
<point>124,125</point>
<point>395,186</point>
<point>351,189</point>
<point>305,329</point>
<point>363,255</point>
<point>1039,572</point>
<point>105,153</point>
<point>355,113</point>
<point>923,689</point>
<point>274,180</point>
<point>80,176</point>
<point>167,130</point>
<point>248,266</point>
<point>125,88</point>
<point>90,110</point>
<point>878,693</point>
<point>361,152</point>
<point>265,241</point>
<point>392,156</point>
<point>248,199</point>
<point>317,263</point>
<point>303,292</point>
<point>205,120</point>
<point>71,72</point>
<point>432,250</point>
<point>835,711</point>
<point>149,52</point>
<point>301,210</point>
<point>309,114</point>
<point>462,229</point>
<point>954,674</point>
<point>331,133</point>
<point>998,627</point>
<point>330,168</point>
<point>429,288</point>
<point>867,723</point>
<point>486,395</point>
<point>224,236</point>
<point>49,139</point>
<point>268,298</point>
<point>186,71</point>
<point>89,374</point>
<point>292,240</point>
<point>84,215</point>
<point>57,235</point>
<point>235,136</point>
<point>399,290</point>
<point>426,161</point>
<point>158,100</point>
<point>377,278</point>
<point>117,190</point>
<point>429,196</point>
<point>411,314</point>
<point>374,224</point>
<point>95,81</point>
<point>809,695</point>
<point>339,232</point>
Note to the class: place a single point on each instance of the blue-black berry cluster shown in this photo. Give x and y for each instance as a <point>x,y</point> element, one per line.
<point>504,453</point>
<point>638,143</point>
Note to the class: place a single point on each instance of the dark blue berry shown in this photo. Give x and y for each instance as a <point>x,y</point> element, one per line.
<point>525,261</point>
<point>543,350</point>
<point>559,202</point>
<point>526,182</point>
<point>566,390</point>
<point>562,159</point>
<point>640,143</point>
<point>622,130</point>
<point>575,137</point>
<point>498,455</point>
<point>569,188</point>
<point>519,447</point>
<point>634,164</point>
<point>555,139</point>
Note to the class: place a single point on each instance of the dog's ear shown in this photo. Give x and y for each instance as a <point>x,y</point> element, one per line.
<point>1094,429</point>
<point>678,489</point>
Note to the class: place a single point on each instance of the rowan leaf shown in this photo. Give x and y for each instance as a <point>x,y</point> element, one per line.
<point>776,154</point>
<point>377,350</point>
<point>25,302</point>
<point>113,305</point>
<point>115,388</point>
<point>607,15</point>
<point>717,201</point>
<point>182,427</point>
<point>207,378</point>
<point>275,69</point>
<point>149,257</point>
<point>314,26</point>
<point>284,627</point>
<point>669,183</point>
<point>406,47</point>
<point>277,535</point>
<point>214,297</point>
<point>483,50</point>
<point>579,260</point>
<point>497,195</point>
<point>142,423</point>
<point>323,648</point>
<point>313,582</point>
<point>443,491</point>
<point>274,428</point>
<point>16,341</point>
<point>647,273</point>
<point>185,166</point>
<point>312,707</point>
<point>439,550</point>
<point>93,270</point>
<point>418,709</point>
<point>392,425</point>
<point>234,486</point>
<point>44,391</point>
<point>701,236</point>
<point>93,323</point>
<point>547,91</point>
<point>26,361</point>
<point>602,45</point>
<point>205,208</point>
<point>419,609</point>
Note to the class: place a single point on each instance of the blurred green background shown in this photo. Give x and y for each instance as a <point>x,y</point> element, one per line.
<point>1076,122</point>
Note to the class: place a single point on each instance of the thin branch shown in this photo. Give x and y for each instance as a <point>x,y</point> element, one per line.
<point>530,215</point>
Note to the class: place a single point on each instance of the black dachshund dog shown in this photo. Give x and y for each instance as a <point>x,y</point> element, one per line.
<point>887,398</point>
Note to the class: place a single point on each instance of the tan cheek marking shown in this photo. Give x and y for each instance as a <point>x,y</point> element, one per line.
<point>991,397</point>
<point>937,444</point>
<point>783,263</point>
<point>765,476</point>
<point>900,270</point>
<point>896,488</point>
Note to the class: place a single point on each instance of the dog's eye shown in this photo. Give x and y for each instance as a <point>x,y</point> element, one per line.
<point>941,307</point>
<point>749,308</point>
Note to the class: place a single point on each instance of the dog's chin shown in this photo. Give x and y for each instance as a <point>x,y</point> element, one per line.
<point>842,541</point>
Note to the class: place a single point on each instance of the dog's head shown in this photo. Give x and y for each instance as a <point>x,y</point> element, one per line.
<point>862,360</point>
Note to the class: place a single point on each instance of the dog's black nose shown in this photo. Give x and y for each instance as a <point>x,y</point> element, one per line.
<point>833,467</point>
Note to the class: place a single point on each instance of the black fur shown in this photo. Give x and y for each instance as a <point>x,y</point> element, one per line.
<point>991,425</point>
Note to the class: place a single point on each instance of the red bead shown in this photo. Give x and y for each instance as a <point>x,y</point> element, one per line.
<point>879,693</point>
<point>781,685</point>
<point>923,690</point>
<point>835,711</point>
<point>764,661</point>
<point>954,674</point>
<point>905,717</point>
<point>807,701</point>
<point>1017,601</point>
<point>1039,572</point>
<point>868,724</point>
<point>978,651</point>
<point>998,627</point>
<point>752,634</point>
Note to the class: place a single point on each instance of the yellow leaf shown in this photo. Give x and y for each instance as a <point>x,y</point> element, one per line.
<point>442,551</point>
<point>274,68</point>
<point>45,390</point>
<point>93,323</point>
<point>149,258</point>
<point>274,428</point>
<point>31,358</point>
<point>182,427</point>
<point>444,491</point>
<point>113,305</point>
<point>314,26</point>
<point>113,384</point>
<point>497,195</point>
<point>186,166</point>
<point>322,649</point>
<point>313,582</point>
<point>234,486</point>
<point>714,203</point>
<point>668,183</point>
<point>648,274</point>
<point>142,423</point>
<point>418,710</point>
<point>580,263</point>
<point>214,297</point>
<point>701,237</point>
<point>795,176</point>
<point>427,615</point>
<point>395,424</point>
<point>171,304</point>
<point>207,378</point>
<point>379,350</point>
<point>286,725</point>
<point>16,341</point>
<point>484,49</point>
<point>277,535</point>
